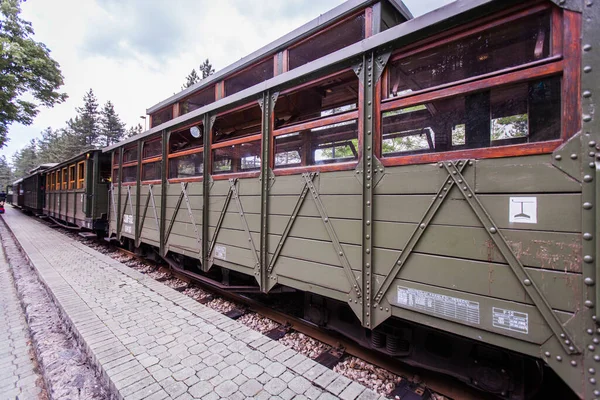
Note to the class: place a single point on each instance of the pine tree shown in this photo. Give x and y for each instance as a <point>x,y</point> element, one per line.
<point>6,175</point>
<point>25,159</point>
<point>111,127</point>
<point>206,69</point>
<point>87,123</point>
<point>191,79</point>
<point>133,130</point>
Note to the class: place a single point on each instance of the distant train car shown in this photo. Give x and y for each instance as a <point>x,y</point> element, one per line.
<point>76,191</point>
<point>33,189</point>
<point>9,194</point>
<point>17,197</point>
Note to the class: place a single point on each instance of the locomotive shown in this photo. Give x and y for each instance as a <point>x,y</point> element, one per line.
<point>428,185</point>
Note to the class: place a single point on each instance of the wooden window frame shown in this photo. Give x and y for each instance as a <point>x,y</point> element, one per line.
<point>150,161</point>
<point>47,182</point>
<point>146,142</point>
<point>113,174</point>
<point>563,61</point>
<point>80,180</point>
<point>57,180</point>
<point>197,150</point>
<point>130,164</point>
<point>64,178</point>
<point>72,176</point>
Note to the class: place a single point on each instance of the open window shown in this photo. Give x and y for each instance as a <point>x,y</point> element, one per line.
<point>65,178</point>
<point>80,174</point>
<point>186,157</point>
<point>57,178</point>
<point>48,181</point>
<point>236,141</point>
<point>197,100</point>
<point>249,77</point>
<point>161,116</point>
<point>318,124</point>
<point>488,87</point>
<point>71,177</point>
<point>130,164</point>
<point>152,160</point>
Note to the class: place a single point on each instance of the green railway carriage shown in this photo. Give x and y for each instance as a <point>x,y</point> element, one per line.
<point>29,190</point>
<point>429,184</point>
<point>76,192</point>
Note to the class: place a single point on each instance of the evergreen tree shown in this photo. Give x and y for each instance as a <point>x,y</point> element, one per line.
<point>25,159</point>
<point>87,123</point>
<point>133,130</point>
<point>191,79</point>
<point>111,127</point>
<point>6,175</point>
<point>25,68</point>
<point>206,69</point>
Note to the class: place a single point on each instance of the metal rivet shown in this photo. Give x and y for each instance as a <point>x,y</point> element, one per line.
<point>587,206</point>
<point>588,259</point>
<point>341,253</point>
<point>574,363</point>
<point>596,392</point>
<point>592,165</point>
<point>571,348</point>
<point>326,220</point>
<point>587,47</point>
<point>596,340</point>
<point>440,165</point>
<point>587,94</point>
<point>527,282</point>
<point>368,222</point>
<point>587,178</point>
<point>567,342</point>
<point>587,69</point>
<point>558,358</point>
<point>368,265</point>
<point>573,156</point>
<point>422,226</point>
<point>460,181</point>
<point>587,118</point>
<point>590,332</point>
<point>470,162</point>
<point>368,203</point>
<point>387,309</point>
<point>368,251</point>
<point>589,281</point>
<point>593,381</point>
<point>493,230</point>
<point>587,236</point>
<point>547,354</point>
<point>592,143</point>
<point>588,304</point>
<point>368,236</point>
<point>469,195</point>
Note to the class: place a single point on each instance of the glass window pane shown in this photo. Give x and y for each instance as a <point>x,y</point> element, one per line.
<point>186,166</point>
<point>184,140</point>
<point>333,39</point>
<point>130,174</point>
<point>197,100</point>
<point>237,124</point>
<point>323,145</point>
<point>162,116</point>
<point>152,148</point>
<point>130,154</point>
<point>115,175</point>
<point>519,113</point>
<point>152,171</point>
<point>237,158</point>
<point>505,46</point>
<point>250,77</point>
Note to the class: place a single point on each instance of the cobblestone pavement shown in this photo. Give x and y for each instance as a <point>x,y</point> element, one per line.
<point>153,342</point>
<point>18,376</point>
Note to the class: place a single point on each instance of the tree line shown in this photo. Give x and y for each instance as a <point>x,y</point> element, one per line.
<point>92,127</point>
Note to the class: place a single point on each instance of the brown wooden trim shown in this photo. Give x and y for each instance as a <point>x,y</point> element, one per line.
<point>238,108</point>
<point>323,121</point>
<point>176,110</point>
<point>377,120</point>
<point>496,81</point>
<point>189,179</point>
<point>571,90</point>
<point>368,22</point>
<point>152,182</point>
<point>343,166</point>
<point>129,164</point>
<point>245,139</point>
<point>487,152</point>
<point>233,175</point>
<point>286,61</point>
<point>276,64</point>
<point>151,160</point>
<point>468,30</point>
<point>556,26</point>
<point>502,72</point>
<point>206,89</point>
<point>361,113</point>
<point>315,82</point>
<point>186,152</point>
<point>320,32</point>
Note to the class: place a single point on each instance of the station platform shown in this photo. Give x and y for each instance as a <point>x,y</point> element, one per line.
<point>152,342</point>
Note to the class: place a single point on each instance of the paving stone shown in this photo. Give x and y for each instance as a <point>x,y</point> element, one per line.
<point>207,373</point>
<point>368,394</point>
<point>200,389</point>
<point>173,387</point>
<point>251,387</point>
<point>275,386</point>
<point>230,372</point>
<point>226,389</point>
<point>337,386</point>
<point>326,378</point>
<point>352,391</point>
<point>299,384</point>
<point>253,371</point>
<point>275,369</point>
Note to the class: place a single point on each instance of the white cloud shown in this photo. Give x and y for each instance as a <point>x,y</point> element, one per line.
<point>138,52</point>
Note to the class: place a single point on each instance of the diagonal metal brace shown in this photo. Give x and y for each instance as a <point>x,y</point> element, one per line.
<point>112,197</point>
<point>154,206</point>
<point>190,213</point>
<point>220,222</point>
<point>143,218</point>
<point>332,235</point>
<point>232,184</point>
<point>175,211</point>
<point>528,284</point>
<point>414,238</point>
<point>290,223</point>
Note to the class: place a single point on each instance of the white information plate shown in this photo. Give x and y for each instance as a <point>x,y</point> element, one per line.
<point>510,320</point>
<point>522,210</point>
<point>221,252</point>
<point>439,304</point>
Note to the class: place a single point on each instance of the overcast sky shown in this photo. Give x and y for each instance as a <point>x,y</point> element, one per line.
<point>138,52</point>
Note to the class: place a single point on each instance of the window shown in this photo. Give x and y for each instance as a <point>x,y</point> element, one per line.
<point>241,157</point>
<point>162,116</point>
<point>57,176</point>
<point>249,77</point>
<point>130,174</point>
<point>130,154</point>
<point>152,148</point>
<point>188,166</point>
<point>335,38</point>
<point>184,140</point>
<point>508,45</point>
<point>71,176</point>
<point>115,175</point>
<point>236,141</point>
<point>319,124</point>
<point>152,171</point>
<point>48,182</point>
<point>197,100</point>
<point>64,178</point>
<point>81,175</point>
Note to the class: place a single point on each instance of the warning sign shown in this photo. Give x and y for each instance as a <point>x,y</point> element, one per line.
<point>522,210</point>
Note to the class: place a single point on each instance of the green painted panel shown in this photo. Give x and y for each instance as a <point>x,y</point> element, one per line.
<point>313,274</point>
<point>549,250</point>
<point>237,255</point>
<point>555,212</point>
<point>417,179</point>
<point>246,187</point>
<point>533,174</point>
<point>184,241</point>
<point>562,290</point>
<point>309,287</point>
<point>193,189</point>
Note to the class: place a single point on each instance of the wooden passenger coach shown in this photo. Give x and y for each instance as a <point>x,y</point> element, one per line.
<point>76,191</point>
<point>428,183</point>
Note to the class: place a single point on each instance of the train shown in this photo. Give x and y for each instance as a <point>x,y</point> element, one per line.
<point>426,186</point>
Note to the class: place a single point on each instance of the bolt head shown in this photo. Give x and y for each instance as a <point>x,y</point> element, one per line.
<point>527,282</point>
<point>589,281</point>
<point>588,304</point>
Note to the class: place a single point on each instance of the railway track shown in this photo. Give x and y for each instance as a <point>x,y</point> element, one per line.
<point>414,383</point>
